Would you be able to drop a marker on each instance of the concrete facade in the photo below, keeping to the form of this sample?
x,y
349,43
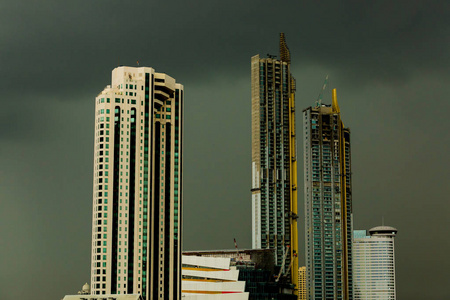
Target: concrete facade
x,y
137,201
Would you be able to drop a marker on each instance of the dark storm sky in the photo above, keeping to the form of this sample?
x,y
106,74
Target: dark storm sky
x,y
389,61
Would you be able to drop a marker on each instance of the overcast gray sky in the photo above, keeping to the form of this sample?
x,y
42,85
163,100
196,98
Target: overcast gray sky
x,y
388,60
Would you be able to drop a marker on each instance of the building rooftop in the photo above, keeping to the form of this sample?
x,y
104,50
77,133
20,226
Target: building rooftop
x,y
383,230
191,252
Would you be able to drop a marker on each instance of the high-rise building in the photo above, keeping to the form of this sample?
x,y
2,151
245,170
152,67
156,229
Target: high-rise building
x,y
274,160
137,201
374,263
328,203
302,283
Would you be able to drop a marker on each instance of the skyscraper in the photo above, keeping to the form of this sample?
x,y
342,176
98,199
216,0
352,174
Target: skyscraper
x,y
328,203
274,159
374,263
137,201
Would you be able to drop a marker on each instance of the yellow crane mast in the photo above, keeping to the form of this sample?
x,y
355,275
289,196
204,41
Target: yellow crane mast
x,y
286,57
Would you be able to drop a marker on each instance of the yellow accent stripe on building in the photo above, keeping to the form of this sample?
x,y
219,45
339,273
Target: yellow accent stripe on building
x,y
334,103
293,192
343,187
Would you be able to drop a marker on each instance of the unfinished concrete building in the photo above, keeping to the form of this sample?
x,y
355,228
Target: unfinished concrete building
x,y
274,160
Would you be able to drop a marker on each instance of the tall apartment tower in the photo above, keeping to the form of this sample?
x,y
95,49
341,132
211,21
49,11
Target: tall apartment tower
x,y
328,203
374,263
137,201
274,160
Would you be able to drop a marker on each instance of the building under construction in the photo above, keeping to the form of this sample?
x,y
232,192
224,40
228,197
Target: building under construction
x,y
328,203
274,160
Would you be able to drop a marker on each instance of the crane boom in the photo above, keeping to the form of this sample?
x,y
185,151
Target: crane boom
x,y
319,98
283,264
238,257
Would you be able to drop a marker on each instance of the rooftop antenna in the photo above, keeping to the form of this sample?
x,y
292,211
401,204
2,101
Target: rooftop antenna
x,y
319,98
382,220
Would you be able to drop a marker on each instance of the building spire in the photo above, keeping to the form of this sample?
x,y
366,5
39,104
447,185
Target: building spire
x,y
335,104
285,55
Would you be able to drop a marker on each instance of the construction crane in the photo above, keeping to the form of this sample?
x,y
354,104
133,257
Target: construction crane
x,y
289,268
319,98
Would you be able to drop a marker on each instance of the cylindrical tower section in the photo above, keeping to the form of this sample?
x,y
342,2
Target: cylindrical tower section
x,y
374,263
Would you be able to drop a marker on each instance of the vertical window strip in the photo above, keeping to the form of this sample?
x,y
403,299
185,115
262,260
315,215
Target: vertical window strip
x,y
115,201
131,202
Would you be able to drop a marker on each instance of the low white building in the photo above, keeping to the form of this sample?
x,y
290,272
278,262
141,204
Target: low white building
x,y
211,278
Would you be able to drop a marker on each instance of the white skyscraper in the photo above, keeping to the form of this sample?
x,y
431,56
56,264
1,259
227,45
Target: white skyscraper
x,y
137,201
374,263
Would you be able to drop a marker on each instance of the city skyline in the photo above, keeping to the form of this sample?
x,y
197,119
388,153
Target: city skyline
x,y
388,61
